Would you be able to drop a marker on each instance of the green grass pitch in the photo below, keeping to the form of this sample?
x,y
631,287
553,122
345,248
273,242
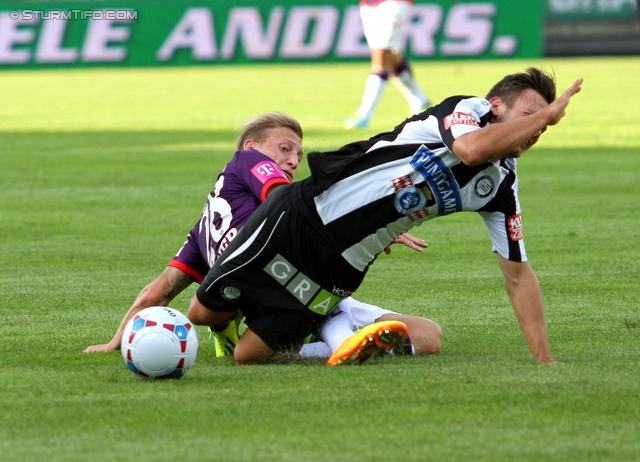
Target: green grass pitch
x,y
103,173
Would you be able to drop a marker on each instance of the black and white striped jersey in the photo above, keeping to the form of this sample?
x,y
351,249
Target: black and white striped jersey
x,y
368,192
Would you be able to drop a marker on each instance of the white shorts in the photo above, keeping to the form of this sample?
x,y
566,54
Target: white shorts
x,y
383,24
362,314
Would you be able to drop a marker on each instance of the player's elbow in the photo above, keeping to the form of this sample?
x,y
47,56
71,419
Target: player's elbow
x,y
472,161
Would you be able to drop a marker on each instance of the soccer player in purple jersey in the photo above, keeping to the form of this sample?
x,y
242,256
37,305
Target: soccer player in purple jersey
x,y
268,156
269,151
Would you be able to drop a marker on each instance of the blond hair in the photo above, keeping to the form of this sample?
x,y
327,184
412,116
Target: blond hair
x,y
256,129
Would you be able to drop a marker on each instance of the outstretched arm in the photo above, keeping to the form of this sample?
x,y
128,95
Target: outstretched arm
x,y
524,291
160,292
498,140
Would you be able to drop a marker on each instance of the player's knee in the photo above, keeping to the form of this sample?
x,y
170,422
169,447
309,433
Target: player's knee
x,y
199,314
242,358
252,350
193,316
246,357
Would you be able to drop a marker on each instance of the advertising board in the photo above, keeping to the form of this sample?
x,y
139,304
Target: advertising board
x,y
170,32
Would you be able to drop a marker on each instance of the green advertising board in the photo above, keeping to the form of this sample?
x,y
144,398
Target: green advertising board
x,y
175,32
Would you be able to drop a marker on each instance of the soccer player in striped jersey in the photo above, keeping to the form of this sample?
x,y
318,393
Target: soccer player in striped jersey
x,y
312,243
383,21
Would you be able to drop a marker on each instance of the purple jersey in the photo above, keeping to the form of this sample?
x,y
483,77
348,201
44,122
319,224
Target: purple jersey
x,y
241,187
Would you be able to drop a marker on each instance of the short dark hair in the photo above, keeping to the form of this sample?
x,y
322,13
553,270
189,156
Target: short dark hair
x,y
511,86
256,128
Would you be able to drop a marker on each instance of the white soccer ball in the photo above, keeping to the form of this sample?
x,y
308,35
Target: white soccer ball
x,y
159,343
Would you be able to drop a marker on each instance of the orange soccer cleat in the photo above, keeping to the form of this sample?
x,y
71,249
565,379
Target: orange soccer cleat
x,y
373,340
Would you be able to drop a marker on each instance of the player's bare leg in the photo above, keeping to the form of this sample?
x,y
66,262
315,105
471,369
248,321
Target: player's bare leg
x,y
386,60
200,315
252,350
425,335
394,64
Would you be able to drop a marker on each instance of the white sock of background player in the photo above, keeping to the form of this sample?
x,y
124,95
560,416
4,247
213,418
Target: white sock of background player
x,y
409,88
373,89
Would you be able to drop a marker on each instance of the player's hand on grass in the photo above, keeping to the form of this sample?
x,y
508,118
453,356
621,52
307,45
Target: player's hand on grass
x,y
558,107
410,241
101,348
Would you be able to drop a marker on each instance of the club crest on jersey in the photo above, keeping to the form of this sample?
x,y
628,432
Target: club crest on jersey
x,y
409,200
230,293
459,118
484,186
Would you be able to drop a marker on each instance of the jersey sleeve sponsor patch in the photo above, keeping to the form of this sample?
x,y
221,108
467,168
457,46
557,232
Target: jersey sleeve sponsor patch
x,y
514,225
266,170
459,118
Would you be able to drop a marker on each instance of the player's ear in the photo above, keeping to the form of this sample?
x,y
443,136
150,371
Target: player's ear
x,y
496,102
248,144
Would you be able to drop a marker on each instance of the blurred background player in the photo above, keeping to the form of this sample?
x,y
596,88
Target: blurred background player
x,y
269,151
383,21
